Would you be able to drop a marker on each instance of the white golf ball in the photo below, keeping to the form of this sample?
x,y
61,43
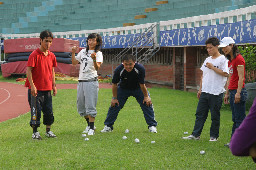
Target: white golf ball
x,y
153,141
137,140
185,133
86,139
83,135
202,152
127,131
124,137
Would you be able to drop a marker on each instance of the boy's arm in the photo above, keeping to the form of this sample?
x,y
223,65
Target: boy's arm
x,y
30,79
200,87
114,100
54,88
227,91
147,99
217,70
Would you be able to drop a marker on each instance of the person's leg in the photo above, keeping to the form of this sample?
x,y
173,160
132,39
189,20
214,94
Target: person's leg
x,y
35,106
122,96
81,99
238,112
201,114
48,113
215,102
231,102
91,97
35,114
148,111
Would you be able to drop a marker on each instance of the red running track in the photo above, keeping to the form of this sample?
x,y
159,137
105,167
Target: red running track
x,y
13,99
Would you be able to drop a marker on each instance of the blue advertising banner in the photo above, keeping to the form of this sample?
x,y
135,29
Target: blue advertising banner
x,y
241,32
119,41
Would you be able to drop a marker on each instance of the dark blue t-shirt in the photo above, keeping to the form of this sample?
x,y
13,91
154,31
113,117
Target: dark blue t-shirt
x,y
129,80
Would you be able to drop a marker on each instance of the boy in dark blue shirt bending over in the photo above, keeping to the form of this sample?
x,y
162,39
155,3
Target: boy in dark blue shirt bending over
x,y
128,80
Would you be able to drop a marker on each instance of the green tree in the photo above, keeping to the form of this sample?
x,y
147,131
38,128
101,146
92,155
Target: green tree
x,y
249,54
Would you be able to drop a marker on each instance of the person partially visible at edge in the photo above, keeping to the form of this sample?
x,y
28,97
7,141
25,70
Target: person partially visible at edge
x,y
40,82
128,80
210,94
90,60
236,94
243,141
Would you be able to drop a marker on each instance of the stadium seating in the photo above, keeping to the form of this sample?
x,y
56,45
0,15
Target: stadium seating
x,y
32,16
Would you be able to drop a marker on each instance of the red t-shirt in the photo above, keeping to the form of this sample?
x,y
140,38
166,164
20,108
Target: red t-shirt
x,y
232,65
42,69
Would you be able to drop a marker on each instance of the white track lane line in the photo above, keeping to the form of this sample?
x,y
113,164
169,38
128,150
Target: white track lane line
x,y
9,95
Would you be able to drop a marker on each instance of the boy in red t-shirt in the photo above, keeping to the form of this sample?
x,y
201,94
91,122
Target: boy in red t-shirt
x,y
40,81
236,92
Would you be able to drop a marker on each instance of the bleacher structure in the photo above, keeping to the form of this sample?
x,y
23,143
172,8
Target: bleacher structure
x,y
171,32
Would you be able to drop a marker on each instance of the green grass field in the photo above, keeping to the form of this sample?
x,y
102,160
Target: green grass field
x,y
175,113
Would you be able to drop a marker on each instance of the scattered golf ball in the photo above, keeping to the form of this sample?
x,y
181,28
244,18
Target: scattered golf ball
x,y
127,131
153,141
86,139
124,137
202,152
185,133
83,135
137,140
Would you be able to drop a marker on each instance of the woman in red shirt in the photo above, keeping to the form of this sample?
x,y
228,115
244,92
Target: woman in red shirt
x,y
236,93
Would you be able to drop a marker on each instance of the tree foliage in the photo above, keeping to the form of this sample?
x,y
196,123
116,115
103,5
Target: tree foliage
x,y
249,54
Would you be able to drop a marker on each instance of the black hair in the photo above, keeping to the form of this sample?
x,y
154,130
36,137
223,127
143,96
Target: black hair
x,y
45,34
212,40
128,57
98,39
235,51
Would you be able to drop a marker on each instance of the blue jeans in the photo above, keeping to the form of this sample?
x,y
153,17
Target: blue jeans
x,y
122,96
208,102
238,109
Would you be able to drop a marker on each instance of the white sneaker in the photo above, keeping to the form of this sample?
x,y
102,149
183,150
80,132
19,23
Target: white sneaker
x,y
91,132
212,139
106,129
87,129
36,136
50,134
192,137
152,129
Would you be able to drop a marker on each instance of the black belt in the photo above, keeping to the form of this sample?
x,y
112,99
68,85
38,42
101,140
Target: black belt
x,y
90,80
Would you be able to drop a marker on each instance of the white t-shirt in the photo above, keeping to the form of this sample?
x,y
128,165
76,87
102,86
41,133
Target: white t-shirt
x,y
212,82
87,70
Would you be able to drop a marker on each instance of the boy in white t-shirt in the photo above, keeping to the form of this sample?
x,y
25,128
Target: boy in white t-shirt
x,y
90,60
210,94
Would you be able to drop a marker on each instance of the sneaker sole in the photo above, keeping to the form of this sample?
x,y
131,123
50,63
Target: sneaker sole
x,y
105,131
189,138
